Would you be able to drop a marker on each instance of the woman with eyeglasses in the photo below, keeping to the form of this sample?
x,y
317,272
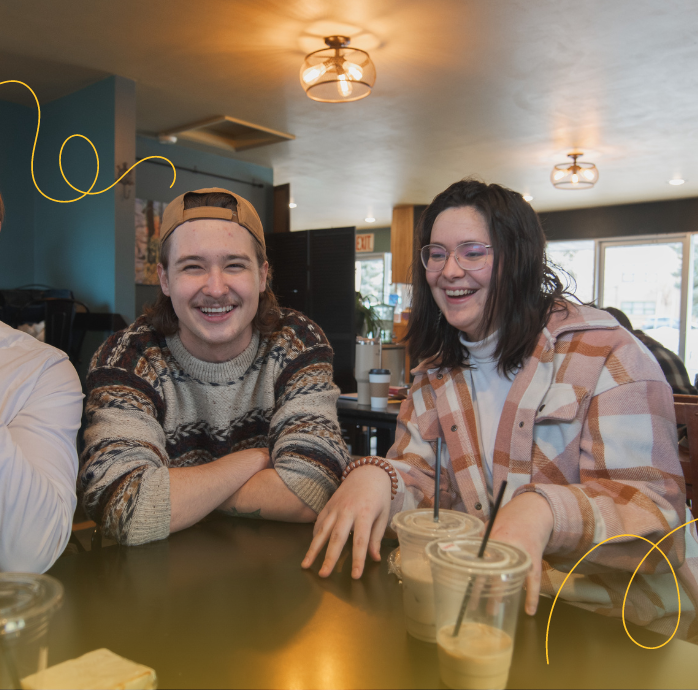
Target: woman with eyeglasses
x,y
526,386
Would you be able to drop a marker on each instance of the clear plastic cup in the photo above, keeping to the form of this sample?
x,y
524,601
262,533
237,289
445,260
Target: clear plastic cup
x,y
27,603
480,655
415,529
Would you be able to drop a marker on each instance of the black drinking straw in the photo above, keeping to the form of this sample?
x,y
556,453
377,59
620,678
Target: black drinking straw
x,y
437,480
480,554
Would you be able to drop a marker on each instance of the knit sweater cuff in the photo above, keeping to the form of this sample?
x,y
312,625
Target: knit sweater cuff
x,y
151,516
313,486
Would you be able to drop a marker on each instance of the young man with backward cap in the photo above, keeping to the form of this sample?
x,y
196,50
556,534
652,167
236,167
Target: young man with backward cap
x,y
215,398
40,410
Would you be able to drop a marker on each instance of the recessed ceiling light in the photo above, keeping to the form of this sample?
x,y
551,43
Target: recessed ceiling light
x,y
370,220
527,197
292,205
676,181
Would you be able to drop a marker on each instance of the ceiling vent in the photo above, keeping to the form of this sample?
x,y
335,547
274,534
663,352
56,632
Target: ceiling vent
x,y
228,133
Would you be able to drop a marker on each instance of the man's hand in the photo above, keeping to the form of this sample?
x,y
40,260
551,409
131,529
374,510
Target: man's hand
x,y
527,522
361,504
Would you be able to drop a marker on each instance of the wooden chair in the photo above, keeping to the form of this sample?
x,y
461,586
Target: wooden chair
x,y
686,408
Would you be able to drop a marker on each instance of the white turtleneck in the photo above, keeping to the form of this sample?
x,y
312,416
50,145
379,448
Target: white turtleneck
x,y
489,391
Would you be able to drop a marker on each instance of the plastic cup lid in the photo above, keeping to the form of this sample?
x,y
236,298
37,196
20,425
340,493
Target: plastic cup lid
x,y
499,558
25,598
452,523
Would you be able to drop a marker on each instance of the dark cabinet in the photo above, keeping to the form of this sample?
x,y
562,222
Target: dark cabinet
x,y
313,272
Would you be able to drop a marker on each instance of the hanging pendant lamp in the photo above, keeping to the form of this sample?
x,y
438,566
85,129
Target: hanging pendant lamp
x,y
338,74
575,176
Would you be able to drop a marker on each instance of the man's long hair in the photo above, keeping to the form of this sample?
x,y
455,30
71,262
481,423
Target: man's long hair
x,y
523,291
161,314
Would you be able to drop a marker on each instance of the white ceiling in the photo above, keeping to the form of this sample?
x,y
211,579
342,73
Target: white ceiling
x,y
500,89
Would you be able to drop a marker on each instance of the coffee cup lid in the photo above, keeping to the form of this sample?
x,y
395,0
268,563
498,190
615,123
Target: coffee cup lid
x,y
26,598
379,371
452,523
462,553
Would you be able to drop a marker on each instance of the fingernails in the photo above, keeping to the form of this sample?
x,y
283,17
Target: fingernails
x,y
531,610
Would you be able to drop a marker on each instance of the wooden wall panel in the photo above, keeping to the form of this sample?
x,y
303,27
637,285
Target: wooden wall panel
x,y
402,243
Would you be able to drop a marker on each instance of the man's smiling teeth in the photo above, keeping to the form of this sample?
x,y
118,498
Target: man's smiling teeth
x,y
459,293
216,310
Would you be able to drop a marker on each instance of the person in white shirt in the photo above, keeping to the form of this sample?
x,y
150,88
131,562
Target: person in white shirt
x,y
40,411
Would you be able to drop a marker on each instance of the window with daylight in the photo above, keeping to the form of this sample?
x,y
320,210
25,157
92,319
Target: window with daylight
x,y
653,279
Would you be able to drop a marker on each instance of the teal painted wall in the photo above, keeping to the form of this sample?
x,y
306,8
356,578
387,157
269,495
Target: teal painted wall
x,y
17,127
74,243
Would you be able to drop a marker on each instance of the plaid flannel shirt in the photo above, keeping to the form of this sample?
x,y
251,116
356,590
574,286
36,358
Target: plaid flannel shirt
x,y
589,424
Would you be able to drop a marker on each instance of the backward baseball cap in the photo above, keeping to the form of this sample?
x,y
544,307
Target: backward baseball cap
x,y
243,214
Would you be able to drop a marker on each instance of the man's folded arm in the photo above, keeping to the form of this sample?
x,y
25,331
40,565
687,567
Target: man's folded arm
x,y
308,453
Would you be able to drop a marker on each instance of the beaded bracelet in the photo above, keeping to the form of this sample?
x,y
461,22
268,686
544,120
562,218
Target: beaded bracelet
x,y
378,462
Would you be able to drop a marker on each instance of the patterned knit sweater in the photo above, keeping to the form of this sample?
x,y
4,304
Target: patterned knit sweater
x,y
151,405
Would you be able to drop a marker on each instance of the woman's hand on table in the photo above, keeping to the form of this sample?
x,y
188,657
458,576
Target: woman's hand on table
x,y
527,522
361,504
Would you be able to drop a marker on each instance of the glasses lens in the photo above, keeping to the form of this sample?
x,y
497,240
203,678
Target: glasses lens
x,y
433,257
471,254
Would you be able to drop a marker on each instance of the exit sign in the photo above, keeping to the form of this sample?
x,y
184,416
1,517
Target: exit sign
x,y
364,243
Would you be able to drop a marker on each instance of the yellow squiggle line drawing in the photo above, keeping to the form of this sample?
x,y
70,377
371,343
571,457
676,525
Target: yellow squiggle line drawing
x,y
60,158
627,589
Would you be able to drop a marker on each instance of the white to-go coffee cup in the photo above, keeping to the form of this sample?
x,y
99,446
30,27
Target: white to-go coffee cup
x,y
379,383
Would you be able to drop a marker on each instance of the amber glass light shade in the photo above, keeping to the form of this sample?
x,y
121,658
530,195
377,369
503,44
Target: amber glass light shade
x,y
337,74
577,175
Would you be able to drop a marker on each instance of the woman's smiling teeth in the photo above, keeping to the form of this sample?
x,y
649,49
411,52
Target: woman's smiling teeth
x,y
459,293
216,310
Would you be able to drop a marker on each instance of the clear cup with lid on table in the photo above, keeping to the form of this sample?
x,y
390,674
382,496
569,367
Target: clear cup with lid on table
x,y
27,604
479,656
415,529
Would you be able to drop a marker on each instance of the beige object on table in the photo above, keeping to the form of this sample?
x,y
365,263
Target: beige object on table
x,y
100,670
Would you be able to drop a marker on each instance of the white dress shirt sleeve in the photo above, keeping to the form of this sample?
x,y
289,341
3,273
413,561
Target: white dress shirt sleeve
x,y
38,470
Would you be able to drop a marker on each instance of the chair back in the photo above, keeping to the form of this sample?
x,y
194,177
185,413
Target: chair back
x,y
686,409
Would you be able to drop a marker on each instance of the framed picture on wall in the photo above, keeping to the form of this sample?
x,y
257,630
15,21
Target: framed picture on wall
x,y
148,217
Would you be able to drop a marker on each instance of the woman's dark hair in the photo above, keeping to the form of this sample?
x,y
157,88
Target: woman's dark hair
x,y
161,314
523,291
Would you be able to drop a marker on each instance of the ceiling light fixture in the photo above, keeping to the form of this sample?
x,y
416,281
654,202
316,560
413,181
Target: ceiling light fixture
x,y
527,197
370,219
337,74
676,181
575,176
292,205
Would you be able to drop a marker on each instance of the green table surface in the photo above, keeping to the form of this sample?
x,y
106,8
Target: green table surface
x,y
226,604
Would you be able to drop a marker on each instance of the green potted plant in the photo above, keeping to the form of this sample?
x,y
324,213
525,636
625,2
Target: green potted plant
x,y
368,323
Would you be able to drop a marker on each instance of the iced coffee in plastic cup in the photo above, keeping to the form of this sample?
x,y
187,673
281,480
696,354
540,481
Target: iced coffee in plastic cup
x,y
27,603
415,529
480,655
